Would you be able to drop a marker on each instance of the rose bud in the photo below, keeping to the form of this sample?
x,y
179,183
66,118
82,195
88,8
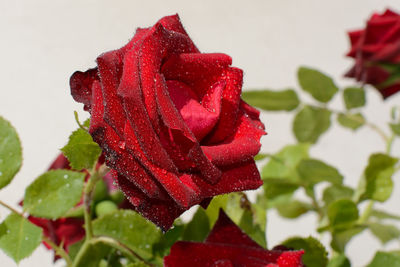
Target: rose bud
x,y
376,50
170,121
227,245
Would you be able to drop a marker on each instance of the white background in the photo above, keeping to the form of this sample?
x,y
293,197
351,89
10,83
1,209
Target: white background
x,y
44,42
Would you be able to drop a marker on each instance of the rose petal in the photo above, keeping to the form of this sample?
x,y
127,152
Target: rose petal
x,y
81,86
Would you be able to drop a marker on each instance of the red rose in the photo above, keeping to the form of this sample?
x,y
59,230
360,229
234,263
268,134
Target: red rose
x,y
376,50
228,246
170,121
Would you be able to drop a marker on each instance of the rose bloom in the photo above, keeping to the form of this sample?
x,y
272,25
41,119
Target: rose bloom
x,y
170,121
376,50
228,246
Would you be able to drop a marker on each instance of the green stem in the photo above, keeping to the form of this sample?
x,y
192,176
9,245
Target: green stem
x,y
58,250
11,208
389,144
130,254
367,212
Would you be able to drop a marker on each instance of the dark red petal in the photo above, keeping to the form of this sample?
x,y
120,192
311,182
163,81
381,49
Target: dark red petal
x,y
243,145
198,71
225,231
173,120
110,71
390,90
234,178
162,213
131,92
173,23
200,118
81,86
177,190
229,105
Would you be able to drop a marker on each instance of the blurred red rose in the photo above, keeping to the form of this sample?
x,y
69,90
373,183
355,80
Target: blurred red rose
x,y
228,246
376,50
170,121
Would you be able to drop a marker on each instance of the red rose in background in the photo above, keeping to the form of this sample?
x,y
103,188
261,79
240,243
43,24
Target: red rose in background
x,y
170,121
376,50
228,246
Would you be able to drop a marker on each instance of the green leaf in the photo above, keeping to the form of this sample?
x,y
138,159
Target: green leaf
x,y
314,255
253,230
54,193
319,85
378,181
342,212
283,164
272,100
385,259
384,232
129,228
18,237
81,151
310,123
380,214
274,188
339,261
335,192
10,153
340,237
314,171
395,128
293,208
354,97
260,156
212,210
137,264
198,228
351,121
162,248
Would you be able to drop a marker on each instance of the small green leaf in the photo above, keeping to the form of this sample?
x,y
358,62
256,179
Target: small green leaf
x,y
395,128
283,164
252,229
378,181
339,261
351,121
293,209
10,153
260,156
215,205
382,215
354,97
18,237
340,237
314,171
384,232
130,229
198,228
54,193
81,151
162,248
342,212
310,123
385,259
335,192
314,255
319,85
272,100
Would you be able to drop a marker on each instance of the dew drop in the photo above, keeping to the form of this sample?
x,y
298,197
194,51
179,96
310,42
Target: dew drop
x,y
39,200
1,173
26,238
67,185
65,176
1,160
